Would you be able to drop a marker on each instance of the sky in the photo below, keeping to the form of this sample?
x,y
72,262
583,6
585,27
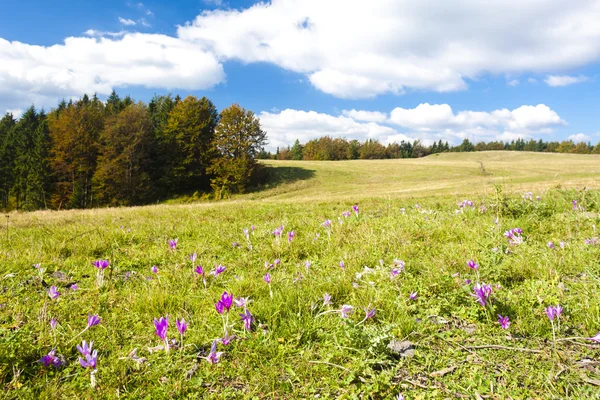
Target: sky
x,y
389,70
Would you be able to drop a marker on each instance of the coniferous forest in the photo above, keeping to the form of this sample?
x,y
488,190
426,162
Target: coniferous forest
x,y
91,153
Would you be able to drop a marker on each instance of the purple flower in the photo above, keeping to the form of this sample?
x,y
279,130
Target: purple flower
x,y
277,261
173,243
101,264
242,302
278,231
53,292
399,396
218,270
326,224
482,292
235,245
93,320
199,270
342,265
346,214
246,233
161,325
227,300
574,202
267,278
562,245
307,264
291,235
181,326
550,245
193,257
514,236
355,209
466,203
503,321
595,338
53,323
326,299
51,359
214,356
467,281
74,287
219,307
482,209
370,312
553,312
346,311
413,296
400,264
471,264
247,319
154,269
227,339
252,228
90,357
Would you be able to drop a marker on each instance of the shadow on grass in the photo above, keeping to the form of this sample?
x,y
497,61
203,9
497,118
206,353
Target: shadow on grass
x,y
270,177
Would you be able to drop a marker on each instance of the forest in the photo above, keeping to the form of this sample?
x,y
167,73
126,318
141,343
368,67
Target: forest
x,y
119,152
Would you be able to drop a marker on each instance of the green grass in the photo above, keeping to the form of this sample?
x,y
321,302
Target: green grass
x,y
296,351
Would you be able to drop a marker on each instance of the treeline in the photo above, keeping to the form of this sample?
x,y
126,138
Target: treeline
x,y
327,148
91,153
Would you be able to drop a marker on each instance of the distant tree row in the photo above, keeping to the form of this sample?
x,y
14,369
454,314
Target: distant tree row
x,y
91,153
327,148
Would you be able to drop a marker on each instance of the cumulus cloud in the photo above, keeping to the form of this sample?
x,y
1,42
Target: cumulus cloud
x,y
368,116
579,137
564,80
352,50
513,82
43,74
426,122
127,22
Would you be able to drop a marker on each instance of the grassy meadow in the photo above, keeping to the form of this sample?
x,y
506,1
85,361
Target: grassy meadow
x,y
402,316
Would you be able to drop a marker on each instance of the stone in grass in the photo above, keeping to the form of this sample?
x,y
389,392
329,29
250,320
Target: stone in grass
x,y
402,348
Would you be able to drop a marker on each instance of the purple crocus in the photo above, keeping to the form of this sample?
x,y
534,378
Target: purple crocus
x,y
346,214
53,292
342,265
346,311
242,302
370,312
154,269
74,287
482,292
574,202
90,357
93,320
219,307
326,224
267,278
101,264
53,323
550,245
471,264
413,296
595,338
278,231
355,209
193,258
246,233
214,356
291,235
218,270
173,243
227,300
199,270
51,359
161,325
247,319
326,299
225,340
553,312
277,261
514,236
181,326
503,321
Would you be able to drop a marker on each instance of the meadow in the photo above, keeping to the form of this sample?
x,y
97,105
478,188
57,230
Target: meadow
x,y
356,279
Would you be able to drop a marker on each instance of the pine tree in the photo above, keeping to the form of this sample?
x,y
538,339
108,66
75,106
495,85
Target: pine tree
x,y
296,151
7,158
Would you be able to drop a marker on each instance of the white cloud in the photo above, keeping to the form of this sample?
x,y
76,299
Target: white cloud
x,y
532,80
127,22
214,3
579,137
16,112
513,82
368,116
144,22
426,122
284,127
41,75
564,80
95,33
350,49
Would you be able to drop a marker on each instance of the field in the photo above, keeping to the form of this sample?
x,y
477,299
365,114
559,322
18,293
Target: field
x,y
400,261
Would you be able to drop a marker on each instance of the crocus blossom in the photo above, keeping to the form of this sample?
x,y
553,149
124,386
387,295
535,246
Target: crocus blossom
x,y
90,357
355,209
595,338
413,296
291,235
503,321
550,245
51,359
482,292
346,214
326,224
514,236
161,325
93,320
53,292
193,258
227,300
242,302
326,299
154,269
247,319
346,311
101,264
219,269
471,264
181,325
342,265
173,243
267,278
553,312
53,323
199,270
214,356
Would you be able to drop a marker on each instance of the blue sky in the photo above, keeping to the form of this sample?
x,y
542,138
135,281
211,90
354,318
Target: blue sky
x,y
423,70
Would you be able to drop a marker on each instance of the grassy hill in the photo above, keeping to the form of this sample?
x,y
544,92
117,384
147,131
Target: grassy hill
x,y
372,339
436,175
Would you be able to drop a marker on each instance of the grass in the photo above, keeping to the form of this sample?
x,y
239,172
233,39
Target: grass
x,y
296,348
